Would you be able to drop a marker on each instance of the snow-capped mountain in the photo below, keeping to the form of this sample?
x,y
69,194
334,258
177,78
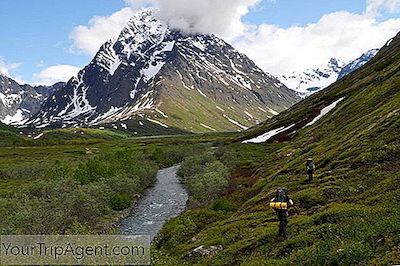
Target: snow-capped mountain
x,y
313,80
18,102
358,63
195,82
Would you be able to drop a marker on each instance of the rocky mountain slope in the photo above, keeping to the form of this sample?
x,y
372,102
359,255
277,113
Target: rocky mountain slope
x,y
18,102
198,83
348,215
313,80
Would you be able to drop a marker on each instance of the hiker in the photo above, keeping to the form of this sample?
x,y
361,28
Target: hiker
x,y
310,169
281,203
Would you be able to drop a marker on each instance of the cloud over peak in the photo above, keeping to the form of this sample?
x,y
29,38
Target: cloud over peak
x,y
275,49
207,16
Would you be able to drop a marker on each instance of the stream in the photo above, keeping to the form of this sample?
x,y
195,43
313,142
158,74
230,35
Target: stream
x,y
165,200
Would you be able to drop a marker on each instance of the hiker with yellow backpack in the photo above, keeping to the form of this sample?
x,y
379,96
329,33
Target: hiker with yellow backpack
x,y
281,204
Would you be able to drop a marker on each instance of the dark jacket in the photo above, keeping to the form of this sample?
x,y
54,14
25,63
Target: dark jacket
x,y
310,166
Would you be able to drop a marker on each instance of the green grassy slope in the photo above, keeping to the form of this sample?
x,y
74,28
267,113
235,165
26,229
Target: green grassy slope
x,y
350,214
4,127
197,113
9,136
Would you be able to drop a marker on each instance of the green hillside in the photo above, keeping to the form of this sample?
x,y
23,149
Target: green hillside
x,y
349,215
9,136
4,127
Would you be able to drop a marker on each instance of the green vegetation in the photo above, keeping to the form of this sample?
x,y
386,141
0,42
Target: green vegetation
x,y
119,202
190,110
205,178
349,215
9,136
78,196
62,183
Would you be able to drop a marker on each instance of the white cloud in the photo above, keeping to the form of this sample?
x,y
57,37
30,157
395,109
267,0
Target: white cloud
x,y
374,7
54,74
5,68
206,16
89,38
277,50
342,35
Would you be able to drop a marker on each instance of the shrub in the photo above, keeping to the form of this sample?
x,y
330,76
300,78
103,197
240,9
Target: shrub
x,y
195,164
119,202
223,204
79,196
208,185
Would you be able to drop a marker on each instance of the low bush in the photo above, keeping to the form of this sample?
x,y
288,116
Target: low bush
x,y
119,202
223,204
205,178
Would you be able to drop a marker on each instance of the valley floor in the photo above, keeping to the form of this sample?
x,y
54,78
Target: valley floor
x,y
88,183
348,216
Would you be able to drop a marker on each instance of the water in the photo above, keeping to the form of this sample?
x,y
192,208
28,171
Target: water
x,y
167,199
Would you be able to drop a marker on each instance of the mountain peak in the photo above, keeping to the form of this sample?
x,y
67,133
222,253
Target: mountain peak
x,y
159,73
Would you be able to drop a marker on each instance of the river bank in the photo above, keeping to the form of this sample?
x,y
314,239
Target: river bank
x,y
165,200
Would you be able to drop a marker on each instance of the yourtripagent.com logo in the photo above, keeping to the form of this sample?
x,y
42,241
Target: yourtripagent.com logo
x,y
75,250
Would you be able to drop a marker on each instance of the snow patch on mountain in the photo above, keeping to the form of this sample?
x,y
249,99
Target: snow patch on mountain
x,y
11,99
79,103
235,122
18,117
268,135
324,112
207,127
157,122
38,136
161,113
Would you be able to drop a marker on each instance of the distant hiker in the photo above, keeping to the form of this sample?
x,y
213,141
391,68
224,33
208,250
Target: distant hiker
x,y
281,203
310,169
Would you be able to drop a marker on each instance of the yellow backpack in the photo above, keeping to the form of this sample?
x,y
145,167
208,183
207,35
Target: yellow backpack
x,y
279,205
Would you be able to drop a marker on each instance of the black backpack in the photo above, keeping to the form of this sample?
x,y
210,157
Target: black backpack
x,y
281,195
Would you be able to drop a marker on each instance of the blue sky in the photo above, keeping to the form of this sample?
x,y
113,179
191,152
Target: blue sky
x,y
287,13
36,33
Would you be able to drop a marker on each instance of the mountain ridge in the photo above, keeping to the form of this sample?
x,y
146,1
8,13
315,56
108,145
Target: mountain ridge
x,y
18,103
313,80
